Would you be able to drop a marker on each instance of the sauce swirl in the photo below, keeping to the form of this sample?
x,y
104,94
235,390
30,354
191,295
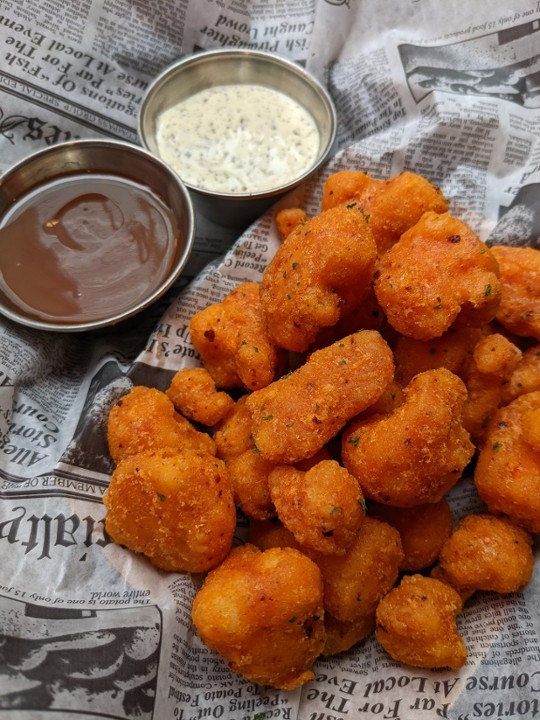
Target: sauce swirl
x,y
85,247
238,138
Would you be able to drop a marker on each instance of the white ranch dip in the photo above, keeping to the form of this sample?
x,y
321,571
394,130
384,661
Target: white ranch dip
x,y
238,138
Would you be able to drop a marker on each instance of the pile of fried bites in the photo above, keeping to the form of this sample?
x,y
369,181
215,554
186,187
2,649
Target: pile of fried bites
x,y
386,349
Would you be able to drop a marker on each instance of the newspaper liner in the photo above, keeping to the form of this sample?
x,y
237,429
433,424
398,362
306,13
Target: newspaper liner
x,y
441,91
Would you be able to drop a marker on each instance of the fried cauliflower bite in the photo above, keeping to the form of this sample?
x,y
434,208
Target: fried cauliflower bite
x,y
323,507
262,611
297,415
416,624
248,473
488,553
145,419
417,453
343,186
395,205
507,474
321,272
193,393
451,350
519,309
489,369
232,341
526,376
437,274
288,219
174,507
232,435
423,530
355,582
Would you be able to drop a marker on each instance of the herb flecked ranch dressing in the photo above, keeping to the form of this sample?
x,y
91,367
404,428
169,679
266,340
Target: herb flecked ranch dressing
x,y
238,138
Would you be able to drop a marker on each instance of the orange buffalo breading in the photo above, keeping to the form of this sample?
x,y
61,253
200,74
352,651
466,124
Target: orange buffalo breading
x,y
355,582
451,350
320,273
416,624
519,310
248,473
288,219
395,205
175,507
323,507
489,369
232,435
345,185
507,474
263,612
526,376
145,419
438,273
295,417
194,394
487,553
231,339
423,530
417,453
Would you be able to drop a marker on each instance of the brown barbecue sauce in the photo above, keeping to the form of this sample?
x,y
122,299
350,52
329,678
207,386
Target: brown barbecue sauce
x,y
85,247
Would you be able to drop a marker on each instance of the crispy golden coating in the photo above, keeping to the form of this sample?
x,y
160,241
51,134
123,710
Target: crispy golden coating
x,y
417,453
288,219
451,350
438,273
145,419
248,473
232,435
519,310
489,369
416,624
295,417
397,204
423,530
175,507
262,611
487,553
341,636
193,393
507,474
266,534
231,339
390,400
321,272
355,582
323,507
526,376
345,185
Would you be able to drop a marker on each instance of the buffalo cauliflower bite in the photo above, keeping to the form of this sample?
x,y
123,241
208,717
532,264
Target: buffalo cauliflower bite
x,y
488,553
507,474
263,612
437,274
417,453
519,309
174,507
493,360
321,272
343,186
248,473
526,376
395,205
231,339
296,416
416,624
232,435
288,219
323,507
423,530
194,394
145,419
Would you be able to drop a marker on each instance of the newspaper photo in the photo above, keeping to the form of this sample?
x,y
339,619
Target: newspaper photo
x,y
89,629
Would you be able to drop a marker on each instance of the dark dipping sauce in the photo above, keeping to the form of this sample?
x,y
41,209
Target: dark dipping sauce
x,y
85,247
